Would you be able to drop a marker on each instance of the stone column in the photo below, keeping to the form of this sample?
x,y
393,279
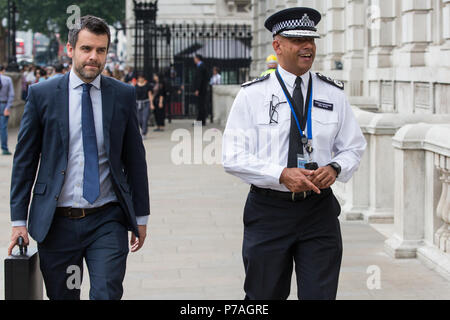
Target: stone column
x,y
442,235
319,5
409,192
381,25
356,193
446,24
383,188
416,32
335,27
256,41
353,58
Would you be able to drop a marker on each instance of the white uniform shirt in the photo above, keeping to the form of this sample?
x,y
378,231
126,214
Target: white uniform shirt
x,y
256,150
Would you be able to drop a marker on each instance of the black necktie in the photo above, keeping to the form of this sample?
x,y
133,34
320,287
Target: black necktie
x,y
295,146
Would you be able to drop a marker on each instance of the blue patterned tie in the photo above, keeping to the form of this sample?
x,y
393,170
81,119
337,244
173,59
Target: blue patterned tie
x,y
91,181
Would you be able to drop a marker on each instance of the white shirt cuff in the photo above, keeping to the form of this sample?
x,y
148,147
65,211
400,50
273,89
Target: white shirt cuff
x,y
19,223
142,220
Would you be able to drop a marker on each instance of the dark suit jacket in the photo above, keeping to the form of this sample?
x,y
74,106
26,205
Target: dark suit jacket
x,y
44,140
201,79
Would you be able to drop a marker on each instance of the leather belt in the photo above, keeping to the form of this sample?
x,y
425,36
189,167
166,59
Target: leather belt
x,y
289,196
78,213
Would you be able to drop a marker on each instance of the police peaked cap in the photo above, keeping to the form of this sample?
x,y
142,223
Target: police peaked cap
x,y
296,22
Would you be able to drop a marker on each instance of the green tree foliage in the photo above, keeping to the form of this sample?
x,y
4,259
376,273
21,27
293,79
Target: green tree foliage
x,y
50,16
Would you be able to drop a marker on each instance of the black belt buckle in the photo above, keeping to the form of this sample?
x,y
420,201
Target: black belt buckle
x,y
83,213
302,195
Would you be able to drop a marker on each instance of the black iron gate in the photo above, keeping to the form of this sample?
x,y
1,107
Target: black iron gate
x,y
168,50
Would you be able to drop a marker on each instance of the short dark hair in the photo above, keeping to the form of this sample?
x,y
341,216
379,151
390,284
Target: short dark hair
x,y
95,25
2,67
58,68
199,56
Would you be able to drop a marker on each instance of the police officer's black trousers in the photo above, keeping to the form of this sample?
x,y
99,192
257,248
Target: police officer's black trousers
x,y
278,233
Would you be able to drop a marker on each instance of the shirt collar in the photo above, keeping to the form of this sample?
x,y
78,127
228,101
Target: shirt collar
x,y
289,78
75,81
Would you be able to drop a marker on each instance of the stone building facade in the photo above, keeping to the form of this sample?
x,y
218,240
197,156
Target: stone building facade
x,y
397,52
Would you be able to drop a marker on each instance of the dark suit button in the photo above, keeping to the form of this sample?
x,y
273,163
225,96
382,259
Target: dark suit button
x,y
56,198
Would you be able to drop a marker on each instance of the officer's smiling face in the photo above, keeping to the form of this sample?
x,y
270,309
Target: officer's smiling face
x,y
295,55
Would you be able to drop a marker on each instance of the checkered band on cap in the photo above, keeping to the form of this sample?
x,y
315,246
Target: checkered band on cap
x,y
304,23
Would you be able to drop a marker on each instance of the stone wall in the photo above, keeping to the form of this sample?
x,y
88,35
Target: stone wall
x,y
395,51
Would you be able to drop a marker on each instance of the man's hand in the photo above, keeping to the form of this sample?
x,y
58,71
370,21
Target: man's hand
x,y
323,177
6,113
137,243
16,233
297,180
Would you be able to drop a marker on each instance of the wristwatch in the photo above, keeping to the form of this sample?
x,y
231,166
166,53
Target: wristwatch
x,y
336,168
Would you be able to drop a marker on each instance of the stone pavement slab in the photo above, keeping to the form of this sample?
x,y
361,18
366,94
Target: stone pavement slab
x,y
193,248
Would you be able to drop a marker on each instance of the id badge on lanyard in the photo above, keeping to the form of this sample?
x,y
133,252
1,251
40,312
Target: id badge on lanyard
x,y
304,159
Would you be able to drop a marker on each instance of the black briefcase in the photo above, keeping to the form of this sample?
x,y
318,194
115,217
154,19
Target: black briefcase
x,y
23,278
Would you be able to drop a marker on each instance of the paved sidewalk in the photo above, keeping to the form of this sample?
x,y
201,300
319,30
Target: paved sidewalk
x,y
193,249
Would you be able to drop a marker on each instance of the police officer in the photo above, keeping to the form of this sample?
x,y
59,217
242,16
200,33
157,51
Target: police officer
x,y
290,135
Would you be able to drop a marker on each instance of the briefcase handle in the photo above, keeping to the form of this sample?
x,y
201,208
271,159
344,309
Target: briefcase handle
x,y
22,247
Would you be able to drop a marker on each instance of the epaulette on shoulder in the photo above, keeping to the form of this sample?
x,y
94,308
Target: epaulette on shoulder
x,y
336,83
249,83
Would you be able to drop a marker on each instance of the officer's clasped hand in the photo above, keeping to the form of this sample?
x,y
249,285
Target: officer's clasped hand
x,y
298,180
323,177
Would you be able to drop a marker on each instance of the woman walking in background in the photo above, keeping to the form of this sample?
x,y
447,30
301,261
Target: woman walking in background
x,y
157,102
143,98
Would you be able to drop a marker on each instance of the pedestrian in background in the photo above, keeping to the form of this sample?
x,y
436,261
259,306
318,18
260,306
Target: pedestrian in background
x,y
200,87
158,97
6,100
143,97
216,77
59,69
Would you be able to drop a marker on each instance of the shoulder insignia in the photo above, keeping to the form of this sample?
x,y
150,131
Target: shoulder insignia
x,y
248,83
336,83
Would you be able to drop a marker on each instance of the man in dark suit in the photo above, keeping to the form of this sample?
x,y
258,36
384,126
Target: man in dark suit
x,y
200,87
91,186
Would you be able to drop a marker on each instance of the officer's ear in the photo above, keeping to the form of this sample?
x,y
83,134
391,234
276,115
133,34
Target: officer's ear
x,y
276,43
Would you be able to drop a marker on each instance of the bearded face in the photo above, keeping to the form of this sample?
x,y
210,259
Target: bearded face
x,y
89,54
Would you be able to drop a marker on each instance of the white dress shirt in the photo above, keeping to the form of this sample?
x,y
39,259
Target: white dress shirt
x,y
72,190
256,150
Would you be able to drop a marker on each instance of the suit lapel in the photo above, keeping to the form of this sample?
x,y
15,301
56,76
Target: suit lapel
x,y
107,110
62,110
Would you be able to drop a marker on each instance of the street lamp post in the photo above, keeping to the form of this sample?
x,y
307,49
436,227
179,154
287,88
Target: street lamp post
x,y
12,60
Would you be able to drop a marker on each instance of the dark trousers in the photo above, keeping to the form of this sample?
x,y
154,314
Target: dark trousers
x,y
160,116
143,115
101,238
278,233
201,108
3,127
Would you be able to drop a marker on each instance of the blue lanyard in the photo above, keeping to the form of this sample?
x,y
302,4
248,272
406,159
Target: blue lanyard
x,y
289,99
